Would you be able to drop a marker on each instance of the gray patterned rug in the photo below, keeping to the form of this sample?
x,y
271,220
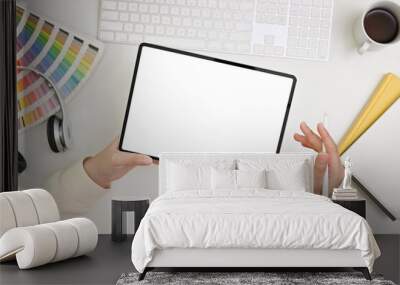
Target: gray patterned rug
x,y
243,278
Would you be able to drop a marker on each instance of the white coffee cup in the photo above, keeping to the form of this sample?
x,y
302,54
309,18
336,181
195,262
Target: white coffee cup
x,y
365,42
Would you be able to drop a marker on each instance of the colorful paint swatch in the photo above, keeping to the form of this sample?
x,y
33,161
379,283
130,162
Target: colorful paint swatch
x,y
37,46
19,14
68,60
63,56
30,98
37,114
27,79
81,71
53,52
27,31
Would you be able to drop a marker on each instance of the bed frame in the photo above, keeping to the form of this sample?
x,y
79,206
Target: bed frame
x,y
239,260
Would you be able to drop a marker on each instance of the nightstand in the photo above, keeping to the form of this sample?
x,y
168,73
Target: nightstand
x,y
121,205
358,206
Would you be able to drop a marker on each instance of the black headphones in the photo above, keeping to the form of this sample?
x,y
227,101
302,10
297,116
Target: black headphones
x,y
21,163
58,134
58,129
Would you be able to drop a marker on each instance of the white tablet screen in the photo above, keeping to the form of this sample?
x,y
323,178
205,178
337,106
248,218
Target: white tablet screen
x,y
182,102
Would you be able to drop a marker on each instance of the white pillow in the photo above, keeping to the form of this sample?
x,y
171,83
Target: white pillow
x,y
188,177
218,163
282,173
236,179
251,178
292,178
223,179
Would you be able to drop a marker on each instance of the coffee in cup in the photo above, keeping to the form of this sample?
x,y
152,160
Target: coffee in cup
x,y
378,26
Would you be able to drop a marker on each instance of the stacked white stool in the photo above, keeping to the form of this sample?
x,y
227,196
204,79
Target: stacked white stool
x,y
31,231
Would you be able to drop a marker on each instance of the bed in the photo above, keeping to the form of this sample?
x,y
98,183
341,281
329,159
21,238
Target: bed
x,y
247,211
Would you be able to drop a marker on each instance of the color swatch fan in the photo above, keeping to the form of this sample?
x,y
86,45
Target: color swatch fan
x,y
65,57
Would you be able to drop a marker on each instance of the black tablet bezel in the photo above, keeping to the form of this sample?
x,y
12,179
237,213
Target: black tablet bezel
x,y
149,45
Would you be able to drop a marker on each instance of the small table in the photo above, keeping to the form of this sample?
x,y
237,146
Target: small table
x,y
358,206
126,204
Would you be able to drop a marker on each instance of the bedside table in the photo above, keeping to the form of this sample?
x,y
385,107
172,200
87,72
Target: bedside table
x,y
358,206
119,206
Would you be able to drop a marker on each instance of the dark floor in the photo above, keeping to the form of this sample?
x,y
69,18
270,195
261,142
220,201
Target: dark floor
x,y
102,266
389,262
110,260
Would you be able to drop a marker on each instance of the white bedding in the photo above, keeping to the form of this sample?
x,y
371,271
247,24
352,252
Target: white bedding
x,y
250,218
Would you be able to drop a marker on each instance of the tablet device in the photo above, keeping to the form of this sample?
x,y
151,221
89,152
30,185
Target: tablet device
x,y
185,102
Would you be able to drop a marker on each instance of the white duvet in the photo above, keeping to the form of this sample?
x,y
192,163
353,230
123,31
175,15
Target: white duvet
x,y
250,218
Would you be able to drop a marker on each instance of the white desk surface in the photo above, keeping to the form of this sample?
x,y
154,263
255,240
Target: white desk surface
x,y
339,87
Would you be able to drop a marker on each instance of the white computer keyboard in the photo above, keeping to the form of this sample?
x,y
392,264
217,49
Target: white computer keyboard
x,y
283,28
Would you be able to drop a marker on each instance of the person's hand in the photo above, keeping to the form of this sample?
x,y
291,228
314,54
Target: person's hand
x,y
111,164
329,159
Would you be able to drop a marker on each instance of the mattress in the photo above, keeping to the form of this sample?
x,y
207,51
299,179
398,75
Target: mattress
x,y
250,219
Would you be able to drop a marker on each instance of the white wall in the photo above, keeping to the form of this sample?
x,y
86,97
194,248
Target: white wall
x,y
339,87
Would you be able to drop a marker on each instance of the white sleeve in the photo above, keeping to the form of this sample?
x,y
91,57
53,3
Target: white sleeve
x,y
73,189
